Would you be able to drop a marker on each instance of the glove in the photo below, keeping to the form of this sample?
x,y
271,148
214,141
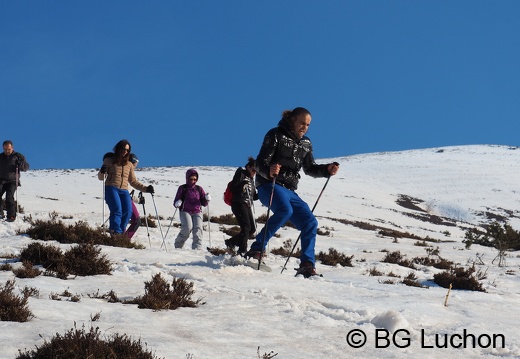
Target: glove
x,y
208,197
19,159
103,169
150,189
178,203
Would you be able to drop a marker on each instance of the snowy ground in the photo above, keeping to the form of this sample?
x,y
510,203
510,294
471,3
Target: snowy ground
x,y
292,316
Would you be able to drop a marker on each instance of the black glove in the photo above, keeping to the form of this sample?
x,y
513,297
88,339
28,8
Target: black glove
x,y
150,189
103,169
19,159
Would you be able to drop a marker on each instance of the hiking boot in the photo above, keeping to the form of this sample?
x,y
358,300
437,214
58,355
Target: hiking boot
x,y
229,244
306,269
10,219
253,254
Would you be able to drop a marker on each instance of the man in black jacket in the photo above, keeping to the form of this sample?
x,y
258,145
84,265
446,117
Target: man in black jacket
x,y
11,163
285,151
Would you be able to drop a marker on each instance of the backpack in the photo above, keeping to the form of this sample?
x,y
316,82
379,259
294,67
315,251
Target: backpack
x,y
228,195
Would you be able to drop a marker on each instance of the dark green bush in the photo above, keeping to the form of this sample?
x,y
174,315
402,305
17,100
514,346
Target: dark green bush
x,y
501,237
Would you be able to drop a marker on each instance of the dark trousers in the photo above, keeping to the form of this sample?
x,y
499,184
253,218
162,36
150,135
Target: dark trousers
x,y
246,221
9,188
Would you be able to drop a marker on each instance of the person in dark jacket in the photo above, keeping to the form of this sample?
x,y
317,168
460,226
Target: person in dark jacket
x,y
285,150
11,163
190,199
244,193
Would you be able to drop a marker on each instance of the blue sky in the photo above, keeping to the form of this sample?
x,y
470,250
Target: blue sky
x,y
193,83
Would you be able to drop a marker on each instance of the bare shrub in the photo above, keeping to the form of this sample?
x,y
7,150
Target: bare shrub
x,y
27,271
80,232
78,343
334,258
397,258
262,219
83,260
6,267
375,272
459,278
439,263
160,295
411,280
218,251
286,249
231,231
228,219
30,292
110,296
48,256
13,308
269,355
323,232
149,221
86,259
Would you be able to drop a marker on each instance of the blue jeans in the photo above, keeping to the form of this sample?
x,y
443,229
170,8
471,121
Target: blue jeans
x,y
287,205
120,205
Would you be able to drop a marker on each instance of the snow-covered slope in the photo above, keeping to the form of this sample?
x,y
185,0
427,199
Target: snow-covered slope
x,y
436,193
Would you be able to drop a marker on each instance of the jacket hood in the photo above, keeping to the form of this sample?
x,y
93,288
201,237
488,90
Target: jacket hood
x,y
191,172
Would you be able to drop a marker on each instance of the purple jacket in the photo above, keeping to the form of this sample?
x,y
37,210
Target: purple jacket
x,y
193,196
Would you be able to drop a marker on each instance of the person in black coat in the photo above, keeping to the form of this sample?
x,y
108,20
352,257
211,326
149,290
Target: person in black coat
x,y
11,163
244,193
285,151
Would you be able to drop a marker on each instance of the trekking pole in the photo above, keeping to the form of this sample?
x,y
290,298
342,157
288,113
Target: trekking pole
x,y
103,203
209,228
317,200
141,200
254,216
159,222
171,222
266,222
16,189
